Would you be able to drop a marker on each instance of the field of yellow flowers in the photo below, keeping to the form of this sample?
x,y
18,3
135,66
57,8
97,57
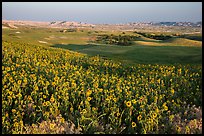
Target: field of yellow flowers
x,y
44,88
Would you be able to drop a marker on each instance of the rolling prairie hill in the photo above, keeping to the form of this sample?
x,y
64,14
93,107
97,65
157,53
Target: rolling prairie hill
x,y
183,42
65,82
144,50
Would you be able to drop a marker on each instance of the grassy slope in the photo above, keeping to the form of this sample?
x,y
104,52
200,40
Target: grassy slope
x,y
51,36
183,41
138,53
142,54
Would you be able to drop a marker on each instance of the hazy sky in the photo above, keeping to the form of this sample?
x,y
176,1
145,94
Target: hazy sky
x,y
103,12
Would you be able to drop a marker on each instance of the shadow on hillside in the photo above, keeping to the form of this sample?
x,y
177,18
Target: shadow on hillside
x,y
147,39
73,47
141,54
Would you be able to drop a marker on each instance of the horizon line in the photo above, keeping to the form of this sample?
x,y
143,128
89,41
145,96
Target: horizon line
x,y
97,23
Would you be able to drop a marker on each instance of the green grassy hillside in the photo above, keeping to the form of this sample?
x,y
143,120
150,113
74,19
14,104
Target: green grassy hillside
x,y
182,42
141,54
144,50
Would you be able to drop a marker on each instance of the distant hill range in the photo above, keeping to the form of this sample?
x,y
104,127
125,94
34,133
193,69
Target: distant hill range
x,y
65,24
183,27
55,24
197,24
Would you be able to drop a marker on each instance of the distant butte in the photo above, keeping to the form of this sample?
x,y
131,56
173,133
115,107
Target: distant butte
x,y
53,24
185,27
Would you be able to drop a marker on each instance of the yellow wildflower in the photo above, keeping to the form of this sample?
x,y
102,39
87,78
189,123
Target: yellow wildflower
x,y
134,101
84,111
94,109
13,110
62,120
172,91
157,110
52,99
114,99
134,124
128,104
53,83
88,92
52,126
19,82
178,129
171,117
187,130
89,98
44,103
154,115
71,109
36,88
16,124
165,107
139,117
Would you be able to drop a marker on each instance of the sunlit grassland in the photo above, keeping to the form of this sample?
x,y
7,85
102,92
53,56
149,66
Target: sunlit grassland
x,y
144,50
72,85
